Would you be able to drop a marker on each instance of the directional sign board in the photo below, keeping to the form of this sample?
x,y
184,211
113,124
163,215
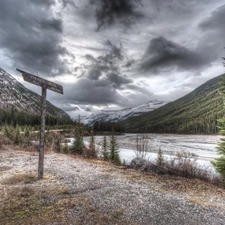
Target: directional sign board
x,y
41,82
45,84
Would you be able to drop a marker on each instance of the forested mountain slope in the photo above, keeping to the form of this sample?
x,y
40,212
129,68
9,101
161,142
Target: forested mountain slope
x,y
195,113
18,101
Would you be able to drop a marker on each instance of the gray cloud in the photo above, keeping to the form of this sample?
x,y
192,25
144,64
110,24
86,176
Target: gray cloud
x,y
30,36
211,44
65,3
106,65
111,12
67,107
88,91
216,21
102,79
118,80
164,53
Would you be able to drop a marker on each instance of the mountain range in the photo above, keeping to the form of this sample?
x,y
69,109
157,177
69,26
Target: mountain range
x,y
14,95
123,114
195,113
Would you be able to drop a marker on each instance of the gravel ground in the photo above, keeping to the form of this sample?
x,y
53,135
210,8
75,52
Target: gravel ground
x,y
99,193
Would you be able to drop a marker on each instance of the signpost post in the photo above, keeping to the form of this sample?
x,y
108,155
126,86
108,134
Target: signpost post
x,y
45,84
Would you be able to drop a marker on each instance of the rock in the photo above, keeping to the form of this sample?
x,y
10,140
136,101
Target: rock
x,y
147,166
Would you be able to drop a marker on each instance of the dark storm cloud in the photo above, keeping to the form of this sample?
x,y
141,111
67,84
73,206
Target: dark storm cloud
x,y
216,21
101,79
88,91
118,80
44,3
129,63
106,65
65,3
90,57
164,53
95,72
30,36
110,12
212,42
116,51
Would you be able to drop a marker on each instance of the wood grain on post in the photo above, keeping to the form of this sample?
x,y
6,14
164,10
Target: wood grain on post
x,y
42,135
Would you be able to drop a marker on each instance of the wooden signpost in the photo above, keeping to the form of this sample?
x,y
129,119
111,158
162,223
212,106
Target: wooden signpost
x,y
45,84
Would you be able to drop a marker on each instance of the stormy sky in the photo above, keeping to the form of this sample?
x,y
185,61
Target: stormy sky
x,y
112,54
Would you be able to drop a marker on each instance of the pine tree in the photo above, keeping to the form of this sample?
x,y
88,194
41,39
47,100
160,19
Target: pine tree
x,y
219,163
105,149
78,147
27,134
17,139
6,131
114,153
65,147
160,159
91,152
58,145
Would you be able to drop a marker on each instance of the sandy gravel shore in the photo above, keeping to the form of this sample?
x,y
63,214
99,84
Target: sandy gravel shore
x,y
77,191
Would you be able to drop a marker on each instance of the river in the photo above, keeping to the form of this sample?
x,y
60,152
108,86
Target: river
x,y
203,146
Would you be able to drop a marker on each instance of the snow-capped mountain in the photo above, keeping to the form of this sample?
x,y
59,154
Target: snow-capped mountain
x,y
120,115
14,94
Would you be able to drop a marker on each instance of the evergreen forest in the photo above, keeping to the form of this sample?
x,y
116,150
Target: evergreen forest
x,y
195,113
14,117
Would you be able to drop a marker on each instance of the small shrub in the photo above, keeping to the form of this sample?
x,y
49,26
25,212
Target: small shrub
x,y
142,146
65,147
78,145
58,145
17,138
114,151
160,159
105,149
91,152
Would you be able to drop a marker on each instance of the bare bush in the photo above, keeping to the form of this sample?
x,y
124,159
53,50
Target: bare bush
x,y
91,152
183,164
142,146
217,180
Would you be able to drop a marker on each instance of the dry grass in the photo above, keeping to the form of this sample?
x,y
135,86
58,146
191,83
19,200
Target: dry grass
x,y
204,202
20,179
26,200
174,184
4,168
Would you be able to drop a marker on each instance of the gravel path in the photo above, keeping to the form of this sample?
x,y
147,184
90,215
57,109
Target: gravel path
x,y
111,193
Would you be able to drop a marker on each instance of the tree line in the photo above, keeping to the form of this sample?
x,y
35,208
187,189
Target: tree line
x,y
14,117
101,126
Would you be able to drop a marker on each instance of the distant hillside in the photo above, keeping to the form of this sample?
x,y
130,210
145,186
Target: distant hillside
x,y
195,113
14,97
